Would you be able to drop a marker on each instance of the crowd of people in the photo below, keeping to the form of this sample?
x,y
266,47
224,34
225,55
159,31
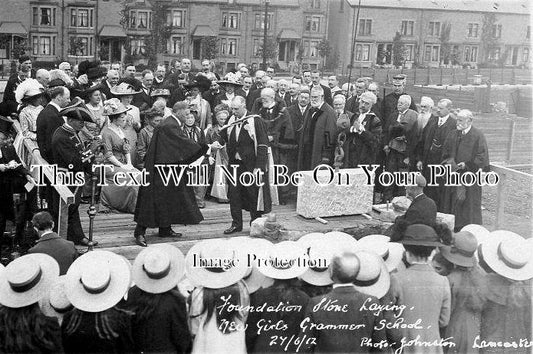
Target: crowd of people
x,y
422,290
300,123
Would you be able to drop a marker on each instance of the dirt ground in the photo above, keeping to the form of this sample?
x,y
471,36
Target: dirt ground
x,y
518,208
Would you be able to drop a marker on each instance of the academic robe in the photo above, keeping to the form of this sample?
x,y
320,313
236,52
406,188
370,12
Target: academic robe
x,y
389,109
470,148
429,150
159,205
362,148
318,138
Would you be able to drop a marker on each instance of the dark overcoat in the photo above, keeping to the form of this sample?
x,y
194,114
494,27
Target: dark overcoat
x,y
48,121
362,148
159,205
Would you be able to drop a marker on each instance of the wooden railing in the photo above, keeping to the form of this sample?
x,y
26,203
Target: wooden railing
x,y
505,173
30,152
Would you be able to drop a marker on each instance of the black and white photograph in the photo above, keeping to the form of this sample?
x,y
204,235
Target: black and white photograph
x,y
266,176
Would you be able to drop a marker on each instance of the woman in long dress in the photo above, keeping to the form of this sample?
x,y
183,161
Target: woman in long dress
x,y
117,153
218,156
125,92
30,95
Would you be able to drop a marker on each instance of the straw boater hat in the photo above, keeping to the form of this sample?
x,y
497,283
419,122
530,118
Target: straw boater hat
x,y
27,279
254,248
390,252
160,92
226,264
508,255
97,281
285,260
478,231
124,89
28,89
113,107
158,268
322,247
373,277
462,251
55,303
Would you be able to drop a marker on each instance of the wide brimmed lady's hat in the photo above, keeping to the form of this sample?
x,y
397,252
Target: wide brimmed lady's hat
x,y
508,255
390,252
97,281
462,252
55,303
201,82
113,107
27,279
160,92
215,264
158,268
28,89
124,89
285,260
255,249
321,248
373,277
230,79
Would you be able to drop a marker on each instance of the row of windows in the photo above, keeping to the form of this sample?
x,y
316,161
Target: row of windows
x,y
79,17
432,53
45,45
434,29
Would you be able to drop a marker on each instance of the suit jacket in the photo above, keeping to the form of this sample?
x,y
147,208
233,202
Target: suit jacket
x,y
297,119
9,93
407,127
427,296
352,104
343,340
67,150
422,210
318,138
253,95
258,104
143,100
48,121
61,250
389,109
430,145
106,90
362,148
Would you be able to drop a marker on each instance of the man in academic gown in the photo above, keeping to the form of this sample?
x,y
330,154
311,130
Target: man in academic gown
x,y
363,135
430,147
465,150
159,205
247,146
319,133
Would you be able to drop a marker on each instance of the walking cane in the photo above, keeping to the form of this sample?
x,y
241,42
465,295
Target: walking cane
x,y
92,212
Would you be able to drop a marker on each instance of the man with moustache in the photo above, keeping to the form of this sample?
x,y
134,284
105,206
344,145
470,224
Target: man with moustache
x,y
294,91
211,95
430,146
160,205
315,82
159,76
319,133
247,147
363,135
110,82
352,104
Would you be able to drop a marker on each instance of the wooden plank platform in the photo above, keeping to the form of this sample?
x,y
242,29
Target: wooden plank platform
x,y
114,231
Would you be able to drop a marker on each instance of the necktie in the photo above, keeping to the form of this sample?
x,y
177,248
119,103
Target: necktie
x,y
400,117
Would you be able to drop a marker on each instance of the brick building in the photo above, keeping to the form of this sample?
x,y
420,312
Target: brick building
x,y
297,26
111,29
422,23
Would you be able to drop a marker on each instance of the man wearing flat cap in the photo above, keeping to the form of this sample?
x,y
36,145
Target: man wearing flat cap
x,y
70,155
